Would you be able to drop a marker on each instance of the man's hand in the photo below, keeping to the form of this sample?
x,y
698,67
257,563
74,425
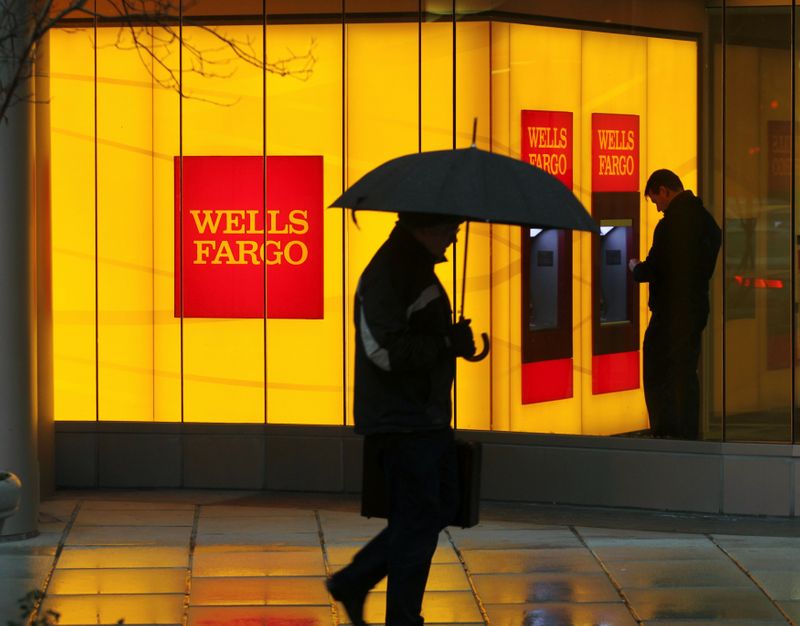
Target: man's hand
x,y
461,340
633,263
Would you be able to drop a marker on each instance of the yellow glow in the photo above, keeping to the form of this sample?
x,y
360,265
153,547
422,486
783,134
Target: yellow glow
x,y
613,73
225,361
224,358
305,357
382,87
553,55
473,380
124,233
167,328
72,188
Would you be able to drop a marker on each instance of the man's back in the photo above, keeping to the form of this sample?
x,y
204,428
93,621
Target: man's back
x,y
403,368
682,260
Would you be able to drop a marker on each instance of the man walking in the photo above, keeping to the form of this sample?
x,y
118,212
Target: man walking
x,y
678,267
406,346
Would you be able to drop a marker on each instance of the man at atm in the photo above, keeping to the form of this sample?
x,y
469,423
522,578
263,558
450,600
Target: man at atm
x,y
678,267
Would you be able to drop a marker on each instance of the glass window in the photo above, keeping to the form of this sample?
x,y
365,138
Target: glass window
x,y
758,235
197,281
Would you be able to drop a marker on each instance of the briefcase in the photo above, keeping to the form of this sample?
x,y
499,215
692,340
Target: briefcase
x,y
374,500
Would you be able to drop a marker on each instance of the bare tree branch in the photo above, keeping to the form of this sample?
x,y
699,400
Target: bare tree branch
x,y
150,27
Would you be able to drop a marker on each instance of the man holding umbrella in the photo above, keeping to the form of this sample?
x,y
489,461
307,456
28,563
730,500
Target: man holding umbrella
x,y
406,346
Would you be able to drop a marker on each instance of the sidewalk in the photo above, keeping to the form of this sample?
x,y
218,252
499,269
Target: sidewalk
x,y
259,559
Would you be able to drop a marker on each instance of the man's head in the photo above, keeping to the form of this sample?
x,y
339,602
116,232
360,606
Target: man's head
x,y
434,231
662,187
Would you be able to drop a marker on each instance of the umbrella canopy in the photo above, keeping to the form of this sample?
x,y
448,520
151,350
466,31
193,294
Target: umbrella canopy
x,y
471,183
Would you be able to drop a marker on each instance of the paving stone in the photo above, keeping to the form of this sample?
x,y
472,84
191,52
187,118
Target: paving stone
x,y
701,604
588,532
95,517
43,543
110,504
286,524
35,566
712,622
473,539
339,556
750,541
779,584
307,562
682,573
265,564
443,577
791,608
649,543
227,511
109,609
117,581
559,614
763,558
544,587
530,560
260,615
59,509
262,539
640,552
438,607
259,590
85,557
129,535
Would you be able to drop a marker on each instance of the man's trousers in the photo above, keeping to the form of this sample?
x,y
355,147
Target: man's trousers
x,y
421,482
671,386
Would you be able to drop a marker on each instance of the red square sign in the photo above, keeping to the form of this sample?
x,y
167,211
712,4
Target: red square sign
x,y
615,152
227,247
546,142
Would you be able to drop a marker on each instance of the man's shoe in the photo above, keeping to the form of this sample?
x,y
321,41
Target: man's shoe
x,y
353,603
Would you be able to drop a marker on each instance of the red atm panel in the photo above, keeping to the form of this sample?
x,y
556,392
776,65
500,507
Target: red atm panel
x,y
615,295
547,269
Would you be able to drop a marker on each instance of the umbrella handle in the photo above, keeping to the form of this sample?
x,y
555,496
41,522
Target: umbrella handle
x,y
483,353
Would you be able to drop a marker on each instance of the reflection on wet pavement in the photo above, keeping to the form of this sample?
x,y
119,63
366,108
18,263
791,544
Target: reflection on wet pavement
x,y
147,560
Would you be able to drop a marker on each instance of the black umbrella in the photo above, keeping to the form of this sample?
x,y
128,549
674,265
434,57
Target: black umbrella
x,y
473,184
470,183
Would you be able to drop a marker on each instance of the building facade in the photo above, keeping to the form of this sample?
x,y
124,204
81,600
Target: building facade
x,y
194,295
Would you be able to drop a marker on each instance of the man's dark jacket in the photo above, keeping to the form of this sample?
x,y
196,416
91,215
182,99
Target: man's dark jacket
x,y
403,366
680,263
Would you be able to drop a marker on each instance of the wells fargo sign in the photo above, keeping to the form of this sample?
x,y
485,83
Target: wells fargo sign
x,y
779,158
615,152
547,142
228,247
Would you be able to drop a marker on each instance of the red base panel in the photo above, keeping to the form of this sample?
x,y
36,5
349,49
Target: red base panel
x,y
546,380
615,372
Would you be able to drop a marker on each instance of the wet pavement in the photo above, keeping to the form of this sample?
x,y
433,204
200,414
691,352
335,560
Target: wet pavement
x,y
203,558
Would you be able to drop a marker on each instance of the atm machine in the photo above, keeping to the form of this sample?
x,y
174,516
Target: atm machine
x,y
546,315
615,295
547,328
616,202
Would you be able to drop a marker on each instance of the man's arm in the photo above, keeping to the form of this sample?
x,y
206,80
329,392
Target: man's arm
x,y
386,335
652,267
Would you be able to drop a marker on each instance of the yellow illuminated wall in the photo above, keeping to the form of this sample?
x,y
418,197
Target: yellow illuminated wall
x,y
583,72
304,357
73,224
365,102
381,123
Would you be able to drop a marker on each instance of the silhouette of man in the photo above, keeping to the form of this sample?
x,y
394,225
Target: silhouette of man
x,y
678,267
406,345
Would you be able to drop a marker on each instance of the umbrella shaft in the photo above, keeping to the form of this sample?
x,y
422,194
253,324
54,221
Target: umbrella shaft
x,y
464,273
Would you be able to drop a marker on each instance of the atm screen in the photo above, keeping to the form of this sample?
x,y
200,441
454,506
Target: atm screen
x,y
615,236
543,277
